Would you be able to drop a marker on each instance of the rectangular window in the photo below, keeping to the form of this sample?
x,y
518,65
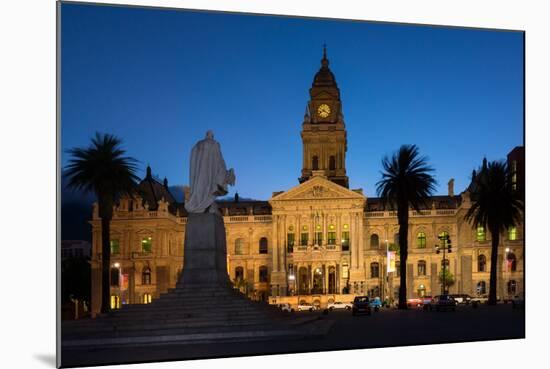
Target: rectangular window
x,y
480,234
115,247
421,269
345,241
304,239
512,233
146,244
318,238
263,275
331,239
345,271
374,270
290,242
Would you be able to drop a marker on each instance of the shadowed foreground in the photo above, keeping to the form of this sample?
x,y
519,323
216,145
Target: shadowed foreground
x,y
383,329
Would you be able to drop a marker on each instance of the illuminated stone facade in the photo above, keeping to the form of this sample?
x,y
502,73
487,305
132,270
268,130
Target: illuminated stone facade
x,y
317,242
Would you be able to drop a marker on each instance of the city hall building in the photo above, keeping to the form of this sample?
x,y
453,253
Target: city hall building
x,y
317,242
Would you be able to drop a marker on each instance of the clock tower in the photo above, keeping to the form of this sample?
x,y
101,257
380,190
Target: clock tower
x,y
323,133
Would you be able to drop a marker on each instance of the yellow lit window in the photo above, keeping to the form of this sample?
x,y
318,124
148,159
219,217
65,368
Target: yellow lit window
x,y
512,233
115,247
146,244
480,233
146,298
421,240
115,302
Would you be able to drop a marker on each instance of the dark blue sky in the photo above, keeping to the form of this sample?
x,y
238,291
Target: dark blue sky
x,y
159,79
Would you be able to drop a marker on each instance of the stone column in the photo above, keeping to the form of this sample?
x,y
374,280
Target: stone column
x,y
435,287
410,282
325,279
132,284
337,278
276,238
310,279
351,242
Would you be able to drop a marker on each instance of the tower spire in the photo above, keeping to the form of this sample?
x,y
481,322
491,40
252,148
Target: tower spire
x,y
324,61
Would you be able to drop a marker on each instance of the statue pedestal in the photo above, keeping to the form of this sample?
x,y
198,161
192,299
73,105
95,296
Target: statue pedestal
x,y
205,252
203,308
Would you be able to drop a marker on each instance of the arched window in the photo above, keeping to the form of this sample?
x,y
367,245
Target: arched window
x,y
442,237
263,274
263,245
511,262
146,298
239,273
146,276
421,268
115,302
512,287
421,240
512,233
315,162
481,263
421,290
374,241
481,288
332,163
480,233
374,270
115,273
239,246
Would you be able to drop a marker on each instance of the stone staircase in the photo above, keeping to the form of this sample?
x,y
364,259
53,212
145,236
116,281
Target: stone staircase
x,y
191,315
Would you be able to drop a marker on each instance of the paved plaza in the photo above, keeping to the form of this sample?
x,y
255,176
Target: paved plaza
x,y
382,329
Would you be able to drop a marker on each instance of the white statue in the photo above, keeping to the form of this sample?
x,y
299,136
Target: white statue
x,y
208,176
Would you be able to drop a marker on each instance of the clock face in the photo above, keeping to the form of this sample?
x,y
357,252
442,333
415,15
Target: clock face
x,y
323,110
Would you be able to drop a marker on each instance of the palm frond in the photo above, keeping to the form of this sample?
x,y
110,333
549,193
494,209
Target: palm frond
x,y
495,205
406,178
102,167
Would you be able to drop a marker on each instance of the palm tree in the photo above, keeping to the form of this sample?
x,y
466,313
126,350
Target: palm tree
x,y
496,207
406,182
102,169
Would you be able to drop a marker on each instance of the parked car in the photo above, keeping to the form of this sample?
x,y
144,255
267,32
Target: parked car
x,y
443,303
339,305
375,303
482,299
426,302
462,298
286,308
361,305
414,302
306,307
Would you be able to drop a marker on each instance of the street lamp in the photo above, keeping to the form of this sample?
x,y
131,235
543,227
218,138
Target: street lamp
x,y
446,246
292,279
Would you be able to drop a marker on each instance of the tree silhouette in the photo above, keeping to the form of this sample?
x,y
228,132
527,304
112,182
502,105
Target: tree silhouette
x,y
496,207
406,182
102,169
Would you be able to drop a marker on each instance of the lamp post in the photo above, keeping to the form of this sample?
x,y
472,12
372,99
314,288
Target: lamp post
x,y
292,279
389,276
446,246
117,265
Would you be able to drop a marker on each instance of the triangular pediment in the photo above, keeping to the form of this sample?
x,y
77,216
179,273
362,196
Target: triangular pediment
x,y
318,188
